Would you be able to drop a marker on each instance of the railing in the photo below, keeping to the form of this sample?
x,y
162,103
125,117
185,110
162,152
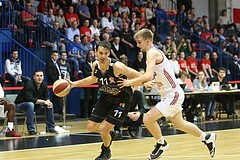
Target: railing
x,y
31,61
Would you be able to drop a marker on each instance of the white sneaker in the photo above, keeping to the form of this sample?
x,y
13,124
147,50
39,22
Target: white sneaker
x,y
158,150
60,130
210,142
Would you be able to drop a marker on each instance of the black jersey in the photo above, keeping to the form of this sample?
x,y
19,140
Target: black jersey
x,y
108,87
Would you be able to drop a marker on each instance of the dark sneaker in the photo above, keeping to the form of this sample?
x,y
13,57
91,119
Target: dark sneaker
x,y
32,132
52,131
210,142
132,133
158,150
116,135
105,154
12,133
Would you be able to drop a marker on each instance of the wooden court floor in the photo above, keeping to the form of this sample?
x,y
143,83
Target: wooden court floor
x,y
182,147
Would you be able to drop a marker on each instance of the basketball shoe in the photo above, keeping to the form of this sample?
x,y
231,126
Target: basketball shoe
x,y
210,141
105,154
158,150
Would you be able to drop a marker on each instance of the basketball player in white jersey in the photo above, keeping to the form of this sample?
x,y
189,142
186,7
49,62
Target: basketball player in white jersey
x,y
160,73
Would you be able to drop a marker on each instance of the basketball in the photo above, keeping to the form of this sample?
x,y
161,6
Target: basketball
x,y
61,88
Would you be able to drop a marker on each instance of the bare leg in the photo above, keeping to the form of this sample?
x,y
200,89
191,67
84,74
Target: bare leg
x,y
185,126
10,107
104,130
150,121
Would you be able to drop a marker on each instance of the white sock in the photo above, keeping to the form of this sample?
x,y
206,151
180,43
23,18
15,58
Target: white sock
x,y
160,141
203,136
10,125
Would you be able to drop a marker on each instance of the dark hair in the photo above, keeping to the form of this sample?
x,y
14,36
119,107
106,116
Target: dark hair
x,y
76,35
14,50
104,44
37,70
54,51
222,69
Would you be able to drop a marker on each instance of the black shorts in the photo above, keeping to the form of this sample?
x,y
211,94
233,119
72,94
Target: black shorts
x,y
114,113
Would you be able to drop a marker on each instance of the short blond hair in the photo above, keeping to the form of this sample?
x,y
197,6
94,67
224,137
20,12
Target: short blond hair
x,y
145,34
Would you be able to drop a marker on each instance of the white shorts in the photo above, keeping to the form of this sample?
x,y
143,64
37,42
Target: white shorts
x,y
170,104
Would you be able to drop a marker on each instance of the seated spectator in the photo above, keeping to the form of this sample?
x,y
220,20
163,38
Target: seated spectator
x,y
117,48
187,23
215,63
123,8
140,62
107,22
157,42
49,18
74,56
143,21
35,95
185,46
182,62
54,39
73,30
134,117
197,27
133,20
175,36
169,47
225,21
95,41
150,13
106,7
192,64
83,12
62,22
71,17
95,10
13,70
201,85
85,30
226,100
205,20
10,108
95,28
86,47
44,6
205,66
117,21
208,37
174,63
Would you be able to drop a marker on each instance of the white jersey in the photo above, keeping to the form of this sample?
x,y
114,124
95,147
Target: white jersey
x,y
164,76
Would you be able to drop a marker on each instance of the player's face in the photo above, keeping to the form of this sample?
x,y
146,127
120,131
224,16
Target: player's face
x,y
38,77
102,54
141,44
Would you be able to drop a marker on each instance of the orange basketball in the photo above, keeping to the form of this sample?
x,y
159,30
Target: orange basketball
x,y
61,88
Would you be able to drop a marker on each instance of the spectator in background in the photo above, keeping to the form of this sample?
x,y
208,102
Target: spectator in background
x,y
215,63
169,47
150,13
13,70
54,39
95,41
192,12
133,20
205,21
62,22
143,21
174,63
140,62
226,100
73,30
182,63
117,48
197,26
90,94
201,85
84,30
64,66
83,11
106,7
107,22
95,10
192,64
156,37
208,37
175,36
35,95
53,74
185,46
86,47
187,23
225,21
205,66
123,8
117,21
49,18
162,16
71,17
74,56
95,28
44,6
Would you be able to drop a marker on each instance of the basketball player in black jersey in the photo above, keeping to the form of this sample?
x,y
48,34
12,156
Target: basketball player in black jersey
x,y
112,106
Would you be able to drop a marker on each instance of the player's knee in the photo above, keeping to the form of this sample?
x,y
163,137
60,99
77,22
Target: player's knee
x,y
91,127
11,106
146,119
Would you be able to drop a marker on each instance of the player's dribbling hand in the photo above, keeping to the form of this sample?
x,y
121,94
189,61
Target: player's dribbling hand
x,y
148,85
